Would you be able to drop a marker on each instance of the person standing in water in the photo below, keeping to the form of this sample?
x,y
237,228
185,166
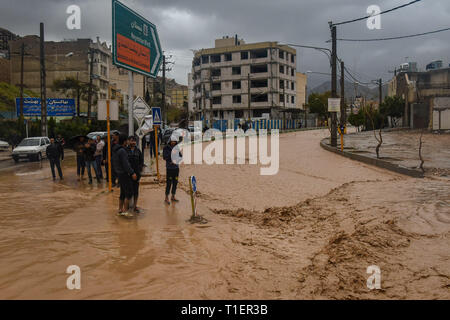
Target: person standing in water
x,y
173,157
125,173
54,154
136,159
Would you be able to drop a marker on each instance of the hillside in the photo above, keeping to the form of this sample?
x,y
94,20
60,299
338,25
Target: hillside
x,y
8,95
369,93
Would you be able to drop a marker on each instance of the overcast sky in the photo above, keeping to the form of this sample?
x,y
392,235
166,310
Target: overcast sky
x,y
194,24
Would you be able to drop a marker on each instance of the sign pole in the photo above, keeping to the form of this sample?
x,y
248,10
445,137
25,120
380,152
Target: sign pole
x,y
109,146
157,151
130,104
191,192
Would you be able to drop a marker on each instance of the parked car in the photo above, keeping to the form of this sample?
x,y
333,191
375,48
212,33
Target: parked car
x,y
4,146
31,148
102,134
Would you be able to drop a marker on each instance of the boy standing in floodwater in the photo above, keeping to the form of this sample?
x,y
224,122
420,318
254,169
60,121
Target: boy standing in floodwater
x,y
172,167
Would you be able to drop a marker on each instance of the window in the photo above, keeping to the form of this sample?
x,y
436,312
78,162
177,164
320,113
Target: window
x,y
258,68
103,71
215,72
256,54
281,98
281,69
260,97
205,59
292,85
281,55
236,85
292,58
292,73
215,58
216,86
237,99
239,114
281,84
196,62
293,99
217,100
244,55
228,57
236,70
258,83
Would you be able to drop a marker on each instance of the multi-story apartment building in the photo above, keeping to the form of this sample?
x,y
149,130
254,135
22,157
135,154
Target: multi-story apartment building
x,y
239,80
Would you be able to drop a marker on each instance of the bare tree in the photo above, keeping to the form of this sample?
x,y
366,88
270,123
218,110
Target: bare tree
x,y
422,161
370,114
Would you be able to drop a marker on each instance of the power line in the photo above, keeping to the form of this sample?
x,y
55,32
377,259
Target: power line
x,y
396,38
370,16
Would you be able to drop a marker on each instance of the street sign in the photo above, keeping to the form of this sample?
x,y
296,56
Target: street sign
x,y
140,109
334,104
136,45
194,184
55,107
113,110
156,113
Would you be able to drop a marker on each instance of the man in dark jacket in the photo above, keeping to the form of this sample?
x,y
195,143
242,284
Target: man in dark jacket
x,y
54,154
125,173
114,141
81,164
89,158
60,140
136,159
173,157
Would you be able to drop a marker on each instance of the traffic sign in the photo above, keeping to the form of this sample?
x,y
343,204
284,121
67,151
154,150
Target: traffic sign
x,y
136,45
194,184
113,110
334,104
140,109
156,113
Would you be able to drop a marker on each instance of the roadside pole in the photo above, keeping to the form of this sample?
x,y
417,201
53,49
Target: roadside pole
x,y
333,141
130,103
155,127
192,192
108,128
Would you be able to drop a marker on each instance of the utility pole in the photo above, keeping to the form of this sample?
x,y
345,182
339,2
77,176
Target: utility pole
x,y
43,84
210,99
130,103
380,91
284,107
249,98
78,95
343,108
164,90
204,105
91,68
333,85
22,53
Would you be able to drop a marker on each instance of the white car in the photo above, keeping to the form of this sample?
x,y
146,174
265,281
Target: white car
x,y
31,148
4,146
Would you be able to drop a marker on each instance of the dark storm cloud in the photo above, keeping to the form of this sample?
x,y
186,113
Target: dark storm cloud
x,y
194,24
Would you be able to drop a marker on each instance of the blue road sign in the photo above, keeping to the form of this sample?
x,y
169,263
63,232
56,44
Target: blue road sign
x,y
55,107
194,184
156,113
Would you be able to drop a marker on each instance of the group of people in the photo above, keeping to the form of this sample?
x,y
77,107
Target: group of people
x,y
127,163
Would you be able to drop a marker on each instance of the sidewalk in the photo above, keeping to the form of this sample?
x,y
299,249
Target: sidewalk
x,y
402,148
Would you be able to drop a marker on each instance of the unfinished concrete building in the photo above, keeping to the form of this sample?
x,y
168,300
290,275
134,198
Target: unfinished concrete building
x,y
235,80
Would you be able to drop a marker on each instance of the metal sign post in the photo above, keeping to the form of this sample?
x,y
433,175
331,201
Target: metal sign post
x,y
193,192
156,115
108,128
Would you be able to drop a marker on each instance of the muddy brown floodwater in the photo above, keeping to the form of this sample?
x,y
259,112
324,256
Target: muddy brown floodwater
x,y
309,232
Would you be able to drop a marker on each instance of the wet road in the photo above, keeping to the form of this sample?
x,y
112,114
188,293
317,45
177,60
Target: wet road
x,y
46,226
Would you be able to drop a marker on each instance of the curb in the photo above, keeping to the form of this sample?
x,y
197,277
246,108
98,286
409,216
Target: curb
x,y
373,161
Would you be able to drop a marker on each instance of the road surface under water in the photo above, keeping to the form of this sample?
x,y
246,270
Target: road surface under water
x,y
266,238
